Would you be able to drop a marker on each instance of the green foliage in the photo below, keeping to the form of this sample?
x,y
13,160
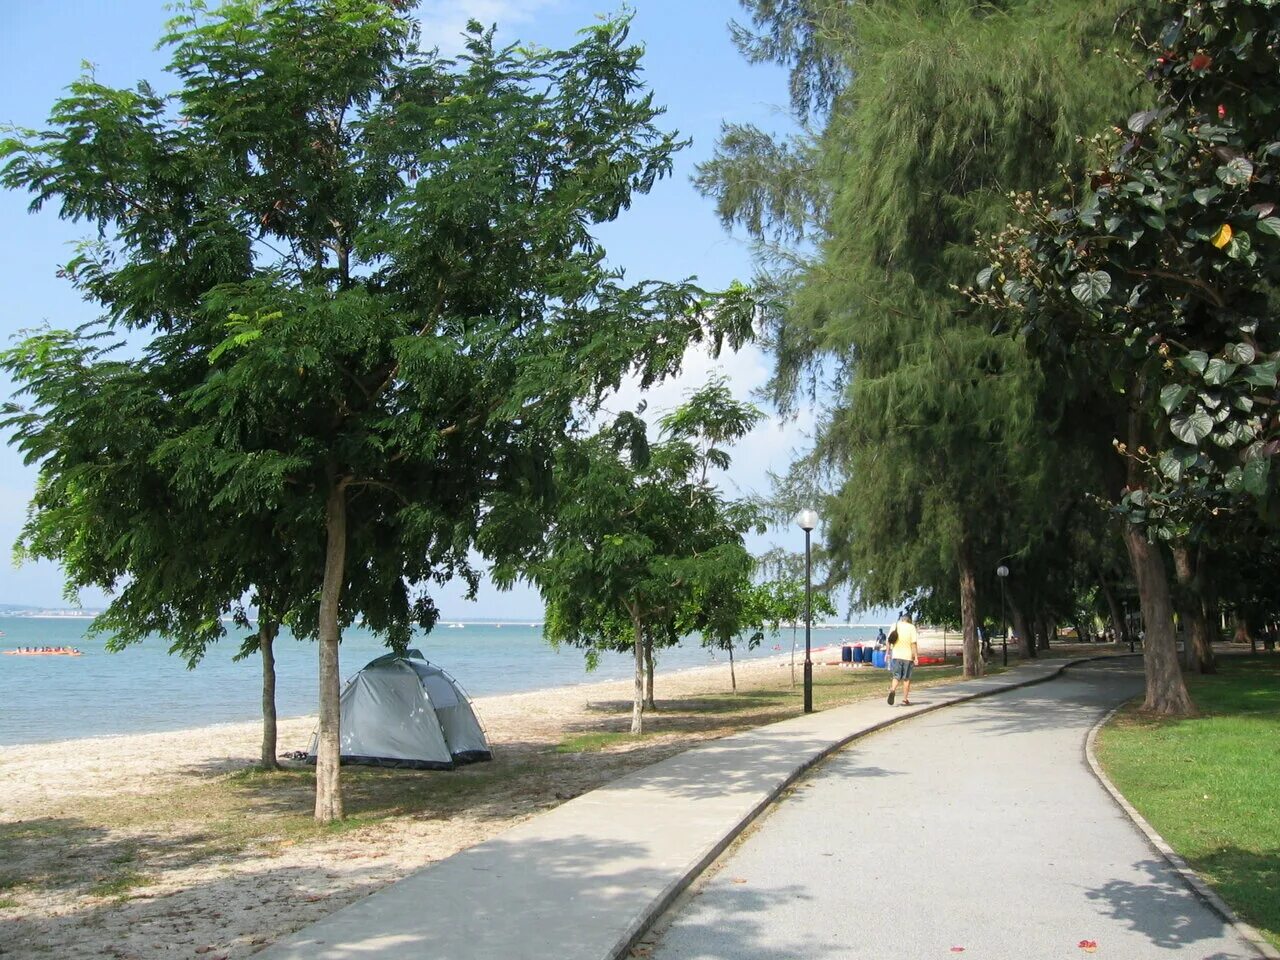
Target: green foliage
x,y
643,548
775,602
372,307
934,450
1159,272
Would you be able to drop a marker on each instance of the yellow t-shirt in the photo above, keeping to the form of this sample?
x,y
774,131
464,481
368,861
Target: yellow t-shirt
x,y
906,638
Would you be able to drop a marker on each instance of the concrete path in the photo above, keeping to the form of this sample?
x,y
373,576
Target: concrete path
x,y
1006,846
582,881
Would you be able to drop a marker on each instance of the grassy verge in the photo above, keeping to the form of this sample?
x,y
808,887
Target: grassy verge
x,y
1211,784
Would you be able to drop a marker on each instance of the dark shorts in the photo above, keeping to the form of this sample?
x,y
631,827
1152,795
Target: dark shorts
x,y
901,669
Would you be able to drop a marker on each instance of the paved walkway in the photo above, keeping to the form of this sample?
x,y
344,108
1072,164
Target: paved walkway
x,y
1005,846
582,881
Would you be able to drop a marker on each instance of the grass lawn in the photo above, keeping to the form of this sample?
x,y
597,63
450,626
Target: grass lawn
x,y
1211,784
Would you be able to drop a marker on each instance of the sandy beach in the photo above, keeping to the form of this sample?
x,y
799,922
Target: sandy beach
x,y
106,849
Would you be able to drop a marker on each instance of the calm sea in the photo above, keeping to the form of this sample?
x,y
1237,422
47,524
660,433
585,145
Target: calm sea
x,y
143,689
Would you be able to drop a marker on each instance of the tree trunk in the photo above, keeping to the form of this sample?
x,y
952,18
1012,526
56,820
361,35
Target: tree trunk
x,y
1244,632
1047,627
1082,633
648,673
328,771
973,665
1025,640
1199,650
267,630
1166,691
733,677
1120,628
637,702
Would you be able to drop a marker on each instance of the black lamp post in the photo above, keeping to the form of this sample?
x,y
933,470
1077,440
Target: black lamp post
x,y
807,519
1002,571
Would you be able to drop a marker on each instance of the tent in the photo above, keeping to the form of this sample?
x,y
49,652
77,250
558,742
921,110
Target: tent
x,y
401,711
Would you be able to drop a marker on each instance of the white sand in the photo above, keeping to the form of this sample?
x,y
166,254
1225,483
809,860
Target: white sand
x,y
188,904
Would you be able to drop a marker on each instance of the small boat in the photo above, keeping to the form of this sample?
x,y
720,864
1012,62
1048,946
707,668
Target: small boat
x,y
43,653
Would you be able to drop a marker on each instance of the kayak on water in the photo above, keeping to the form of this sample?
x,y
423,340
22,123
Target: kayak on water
x,y
49,652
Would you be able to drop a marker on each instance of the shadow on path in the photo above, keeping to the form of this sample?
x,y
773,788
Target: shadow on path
x,y
1161,908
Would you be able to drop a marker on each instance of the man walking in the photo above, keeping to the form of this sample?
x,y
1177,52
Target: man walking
x,y
904,654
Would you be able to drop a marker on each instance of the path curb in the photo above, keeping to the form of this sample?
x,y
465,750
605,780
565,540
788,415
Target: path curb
x,y
1189,876
642,924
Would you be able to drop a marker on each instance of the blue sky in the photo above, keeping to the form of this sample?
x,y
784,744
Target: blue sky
x,y
690,63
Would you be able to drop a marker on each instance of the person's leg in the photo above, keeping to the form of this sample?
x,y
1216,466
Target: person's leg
x,y
906,683
893,680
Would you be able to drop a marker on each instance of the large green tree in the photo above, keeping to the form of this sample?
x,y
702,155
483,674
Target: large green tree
x,y
370,284
941,463
643,547
1155,282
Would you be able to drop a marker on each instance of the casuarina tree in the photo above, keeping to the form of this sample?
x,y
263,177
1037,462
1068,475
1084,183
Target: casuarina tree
x,y
368,278
915,132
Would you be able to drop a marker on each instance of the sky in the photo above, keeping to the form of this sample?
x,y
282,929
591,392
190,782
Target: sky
x,y
690,64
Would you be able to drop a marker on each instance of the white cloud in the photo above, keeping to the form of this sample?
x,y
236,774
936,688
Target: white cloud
x,y
444,21
769,447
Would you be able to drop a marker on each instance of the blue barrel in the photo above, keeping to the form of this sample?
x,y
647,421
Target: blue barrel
x,y
878,658
846,654
857,653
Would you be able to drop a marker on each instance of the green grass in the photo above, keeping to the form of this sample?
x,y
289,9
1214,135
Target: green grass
x,y
7,903
595,742
119,884
1211,784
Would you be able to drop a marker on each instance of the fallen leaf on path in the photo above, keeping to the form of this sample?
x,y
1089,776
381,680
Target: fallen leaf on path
x,y
739,879
957,949
1088,946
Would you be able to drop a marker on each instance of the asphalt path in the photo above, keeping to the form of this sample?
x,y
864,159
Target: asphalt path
x,y
1002,846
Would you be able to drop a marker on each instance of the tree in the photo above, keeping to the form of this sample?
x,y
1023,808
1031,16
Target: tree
x,y
933,435
374,271
643,548
1155,277
772,603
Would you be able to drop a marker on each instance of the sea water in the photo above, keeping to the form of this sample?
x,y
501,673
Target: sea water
x,y
144,689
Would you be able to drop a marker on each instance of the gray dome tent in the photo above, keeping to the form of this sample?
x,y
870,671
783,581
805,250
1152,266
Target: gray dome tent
x,y
401,711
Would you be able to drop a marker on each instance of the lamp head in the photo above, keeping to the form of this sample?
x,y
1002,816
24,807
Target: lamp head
x,y
1002,571
807,519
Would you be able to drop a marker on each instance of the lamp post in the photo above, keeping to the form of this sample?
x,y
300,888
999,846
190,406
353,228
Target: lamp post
x,y
807,519
1002,571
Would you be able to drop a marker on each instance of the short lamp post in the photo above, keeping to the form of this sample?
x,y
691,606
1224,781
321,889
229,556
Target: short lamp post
x,y
1002,571
808,519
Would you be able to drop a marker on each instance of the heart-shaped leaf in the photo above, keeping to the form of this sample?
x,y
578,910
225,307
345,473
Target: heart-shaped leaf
x,y
1142,119
1219,371
1255,475
1193,427
1269,225
1172,395
1236,172
1195,361
1263,374
1090,288
1241,352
